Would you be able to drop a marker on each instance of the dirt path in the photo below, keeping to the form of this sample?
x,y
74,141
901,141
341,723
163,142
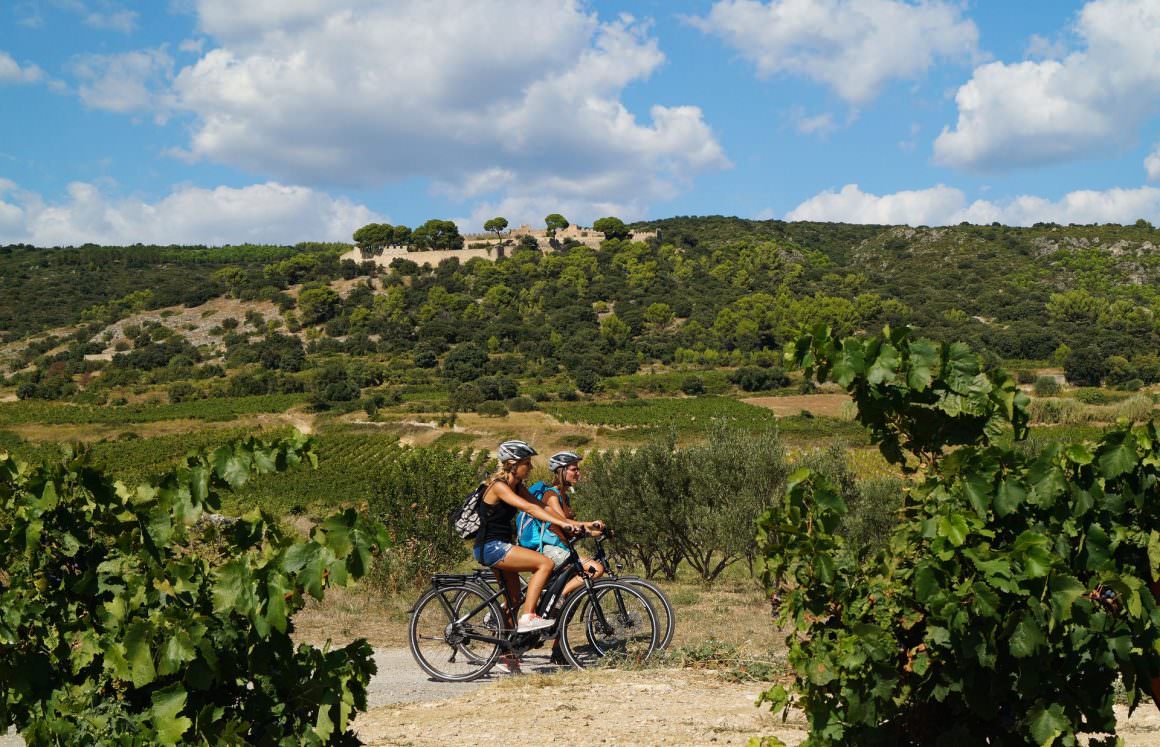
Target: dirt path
x,y
656,706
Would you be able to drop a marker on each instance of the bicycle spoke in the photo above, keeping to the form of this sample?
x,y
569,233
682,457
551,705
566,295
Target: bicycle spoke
x,y
613,620
445,632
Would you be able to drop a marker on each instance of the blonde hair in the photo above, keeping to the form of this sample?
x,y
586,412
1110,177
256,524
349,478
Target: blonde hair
x,y
505,472
558,480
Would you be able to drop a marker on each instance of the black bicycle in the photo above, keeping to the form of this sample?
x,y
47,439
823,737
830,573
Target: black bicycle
x,y
662,607
462,625
666,617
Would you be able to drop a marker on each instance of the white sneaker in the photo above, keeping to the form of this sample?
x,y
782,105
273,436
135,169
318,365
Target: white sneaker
x,y
531,621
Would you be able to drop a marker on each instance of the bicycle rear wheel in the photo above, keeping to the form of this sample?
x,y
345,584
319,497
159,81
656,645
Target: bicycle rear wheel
x,y
613,621
666,618
454,631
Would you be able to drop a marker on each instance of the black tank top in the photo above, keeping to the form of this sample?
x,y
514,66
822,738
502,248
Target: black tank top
x,y
496,523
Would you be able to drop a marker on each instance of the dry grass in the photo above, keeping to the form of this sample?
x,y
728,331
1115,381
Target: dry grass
x,y
735,613
828,405
346,614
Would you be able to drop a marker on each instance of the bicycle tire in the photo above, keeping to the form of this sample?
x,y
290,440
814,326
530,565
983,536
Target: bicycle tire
x,y
666,617
441,629
611,619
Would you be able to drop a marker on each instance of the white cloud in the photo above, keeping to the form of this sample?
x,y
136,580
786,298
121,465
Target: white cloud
x,y
1042,47
1091,101
126,82
853,46
13,72
364,93
260,213
192,46
852,205
941,206
99,14
1152,164
115,20
812,124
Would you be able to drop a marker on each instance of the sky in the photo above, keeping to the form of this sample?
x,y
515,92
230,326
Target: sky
x,y
278,121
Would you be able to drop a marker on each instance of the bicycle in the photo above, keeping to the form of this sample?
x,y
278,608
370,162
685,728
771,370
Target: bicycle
x,y
459,629
666,616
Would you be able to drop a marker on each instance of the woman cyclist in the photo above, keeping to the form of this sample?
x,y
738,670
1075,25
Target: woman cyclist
x,y
494,545
565,467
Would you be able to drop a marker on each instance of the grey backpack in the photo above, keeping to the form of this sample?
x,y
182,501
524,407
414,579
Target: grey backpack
x,y
465,520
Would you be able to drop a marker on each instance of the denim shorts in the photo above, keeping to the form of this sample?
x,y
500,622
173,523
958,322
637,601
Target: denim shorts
x,y
556,553
491,552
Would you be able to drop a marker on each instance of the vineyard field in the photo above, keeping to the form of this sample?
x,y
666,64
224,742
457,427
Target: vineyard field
x,y
211,410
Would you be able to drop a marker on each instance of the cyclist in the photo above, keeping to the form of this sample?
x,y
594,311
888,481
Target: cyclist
x,y
565,468
494,545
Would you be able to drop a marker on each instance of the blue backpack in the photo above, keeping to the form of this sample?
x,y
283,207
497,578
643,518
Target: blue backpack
x,y
531,532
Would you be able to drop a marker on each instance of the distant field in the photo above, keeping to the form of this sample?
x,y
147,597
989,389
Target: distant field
x,y
218,409
682,413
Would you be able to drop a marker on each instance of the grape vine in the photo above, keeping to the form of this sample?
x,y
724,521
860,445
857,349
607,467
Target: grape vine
x,y
1014,594
134,616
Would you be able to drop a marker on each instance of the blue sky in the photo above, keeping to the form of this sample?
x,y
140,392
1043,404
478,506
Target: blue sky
x,y
213,121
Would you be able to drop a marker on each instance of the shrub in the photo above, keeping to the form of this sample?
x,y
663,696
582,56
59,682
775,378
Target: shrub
x,y
694,504
692,385
496,387
521,404
182,391
1084,367
465,397
757,379
1132,385
415,490
1025,376
587,381
573,440
1046,386
465,362
1093,396
492,409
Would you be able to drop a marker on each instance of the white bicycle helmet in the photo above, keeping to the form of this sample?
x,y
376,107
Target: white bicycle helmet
x,y
562,459
513,451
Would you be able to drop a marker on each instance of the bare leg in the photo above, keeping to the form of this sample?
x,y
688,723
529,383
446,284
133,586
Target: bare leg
x,y
522,559
594,569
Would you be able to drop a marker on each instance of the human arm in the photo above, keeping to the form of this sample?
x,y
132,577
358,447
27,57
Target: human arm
x,y
502,491
554,504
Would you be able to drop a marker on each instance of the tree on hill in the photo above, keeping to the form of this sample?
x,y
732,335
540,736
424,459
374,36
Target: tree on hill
x,y
612,228
497,226
372,238
556,222
437,234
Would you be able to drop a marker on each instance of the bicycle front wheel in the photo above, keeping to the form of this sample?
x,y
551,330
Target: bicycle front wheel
x,y
666,618
455,632
612,620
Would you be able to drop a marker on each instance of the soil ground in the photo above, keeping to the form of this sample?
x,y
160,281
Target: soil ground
x,y
647,707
